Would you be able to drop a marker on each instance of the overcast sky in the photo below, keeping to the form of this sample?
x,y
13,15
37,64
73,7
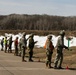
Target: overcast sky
x,y
49,7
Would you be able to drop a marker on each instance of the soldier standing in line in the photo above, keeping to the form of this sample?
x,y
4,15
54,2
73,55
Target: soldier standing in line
x,y
19,48
16,46
49,51
23,46
5,43
59,55
31,46
2,44
10,45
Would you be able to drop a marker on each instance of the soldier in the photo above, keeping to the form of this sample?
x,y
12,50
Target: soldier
x,y
31,46
2,44
5,42
23,46
59,55
20,47
10,45
16,46
49,50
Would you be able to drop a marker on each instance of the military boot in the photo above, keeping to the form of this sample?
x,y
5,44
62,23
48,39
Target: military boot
x,y
49,66
22,58
46,64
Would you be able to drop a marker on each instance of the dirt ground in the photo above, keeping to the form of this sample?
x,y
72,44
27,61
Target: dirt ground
x,y
12,65
69,56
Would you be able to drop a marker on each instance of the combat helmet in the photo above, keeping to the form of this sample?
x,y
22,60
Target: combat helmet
x,y
24,34
32,34
62,33
49,36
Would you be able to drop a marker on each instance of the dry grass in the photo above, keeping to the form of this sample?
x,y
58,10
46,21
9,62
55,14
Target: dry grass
x,y
37,32
69,56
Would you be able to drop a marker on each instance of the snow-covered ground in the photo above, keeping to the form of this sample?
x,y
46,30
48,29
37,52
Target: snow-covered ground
x,y
41,39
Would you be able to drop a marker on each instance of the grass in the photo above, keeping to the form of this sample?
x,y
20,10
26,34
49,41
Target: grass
x,y
37,32
69,56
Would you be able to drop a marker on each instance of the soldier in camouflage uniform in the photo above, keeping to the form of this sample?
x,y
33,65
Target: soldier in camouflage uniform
x,y
23,46
10,45
31,46
49,51
5,43
59,55
2,44
19,47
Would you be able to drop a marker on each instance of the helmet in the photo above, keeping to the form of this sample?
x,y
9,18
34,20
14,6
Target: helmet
x,y
62,33
49,36
31,35
11,37
24,34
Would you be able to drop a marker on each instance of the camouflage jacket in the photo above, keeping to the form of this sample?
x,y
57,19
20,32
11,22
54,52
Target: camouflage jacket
x,y
60,44
23,42
31,43
49,45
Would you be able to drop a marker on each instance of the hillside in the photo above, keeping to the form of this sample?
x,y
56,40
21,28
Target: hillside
x,y
37,22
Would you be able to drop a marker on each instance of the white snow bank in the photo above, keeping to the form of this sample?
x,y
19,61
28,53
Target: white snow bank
x,y
41,39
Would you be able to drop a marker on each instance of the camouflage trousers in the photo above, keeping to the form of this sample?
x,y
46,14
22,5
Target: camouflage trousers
x,y
30,53
16,50
58,60
5,47
22,53
48,58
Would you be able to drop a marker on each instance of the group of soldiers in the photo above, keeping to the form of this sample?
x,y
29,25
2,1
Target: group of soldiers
x,y
59,48
20,46
22,43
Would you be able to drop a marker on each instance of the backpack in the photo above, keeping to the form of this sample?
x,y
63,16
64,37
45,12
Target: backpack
x,y
51,45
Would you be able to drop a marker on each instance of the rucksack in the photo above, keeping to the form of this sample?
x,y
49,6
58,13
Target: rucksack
x,y
51,45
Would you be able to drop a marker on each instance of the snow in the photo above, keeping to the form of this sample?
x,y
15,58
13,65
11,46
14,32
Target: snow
x,y
41,39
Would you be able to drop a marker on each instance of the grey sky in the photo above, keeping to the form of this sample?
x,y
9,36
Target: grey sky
x,y
50,7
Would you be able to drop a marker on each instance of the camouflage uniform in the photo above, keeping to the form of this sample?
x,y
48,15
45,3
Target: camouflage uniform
x,y
60,46
5,42
10,45
49,51
2,44
20,47
23,46
31,46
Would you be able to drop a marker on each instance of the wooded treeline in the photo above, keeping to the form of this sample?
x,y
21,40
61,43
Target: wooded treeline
x,y
36,22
